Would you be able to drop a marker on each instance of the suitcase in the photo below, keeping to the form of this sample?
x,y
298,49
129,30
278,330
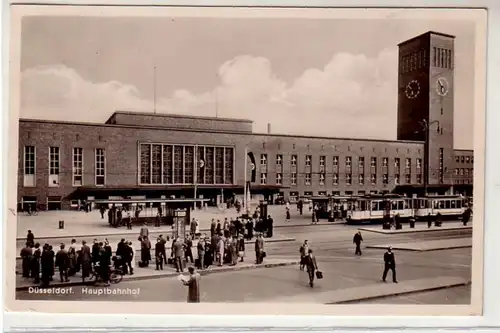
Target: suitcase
x,y
319,275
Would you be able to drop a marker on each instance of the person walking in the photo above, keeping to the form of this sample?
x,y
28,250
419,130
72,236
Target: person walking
x,y
200,249
85,260
259,249
188,250
145,251
303,250
193,283
159,253
241,248
389,264
312,266
357,239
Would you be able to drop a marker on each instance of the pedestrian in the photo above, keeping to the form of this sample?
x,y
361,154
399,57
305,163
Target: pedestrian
x,y
157,220
429,220
104,263
144,230
303,250
192,228
85,260
218,229
159,253
213,226
287,216
52,257
121,256
62,262
164,255
311,265
95,252
30,238
26,257
178,252
389,264
188,250
241,248
102,210
259,249
47,265
357,239
220,249
145,251
36,263
270,223
128,217
72,258
200,249
193,284
131,258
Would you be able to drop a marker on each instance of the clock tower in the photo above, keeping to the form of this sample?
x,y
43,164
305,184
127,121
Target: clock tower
x,y
425,101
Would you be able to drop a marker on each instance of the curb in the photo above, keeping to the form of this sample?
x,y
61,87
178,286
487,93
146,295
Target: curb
x,y
20,239
173,274
413,231
266,241
402,293
428,250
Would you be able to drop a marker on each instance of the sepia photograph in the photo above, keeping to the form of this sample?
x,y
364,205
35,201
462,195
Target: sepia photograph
x,y
244,157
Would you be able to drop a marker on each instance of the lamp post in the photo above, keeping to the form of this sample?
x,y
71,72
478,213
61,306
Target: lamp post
x,y
426,127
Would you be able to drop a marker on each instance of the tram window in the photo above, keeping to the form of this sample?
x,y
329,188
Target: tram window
x,y
459,203
400,205
394,205
453,203
407,204
363,205
374,206
447,204
441,204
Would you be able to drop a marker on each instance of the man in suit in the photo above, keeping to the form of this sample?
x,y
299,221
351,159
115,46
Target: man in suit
x,y
62,261
85,260
311,265
389,264
159,253
259,249
357,239
194,286
144,231
178,250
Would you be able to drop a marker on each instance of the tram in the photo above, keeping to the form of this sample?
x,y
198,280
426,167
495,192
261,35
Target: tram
x,y
447,206
375,208
333,207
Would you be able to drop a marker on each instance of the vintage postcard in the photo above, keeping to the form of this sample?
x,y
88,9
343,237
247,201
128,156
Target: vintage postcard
x,y
287,160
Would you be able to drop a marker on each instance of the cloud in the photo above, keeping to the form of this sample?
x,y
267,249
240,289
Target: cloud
x,y
351,96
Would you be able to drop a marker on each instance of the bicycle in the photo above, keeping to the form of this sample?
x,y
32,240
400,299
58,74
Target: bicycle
x,y
115,276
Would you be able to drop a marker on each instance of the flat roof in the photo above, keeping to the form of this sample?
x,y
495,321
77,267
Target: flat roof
x,y
62,122
425,34
164,115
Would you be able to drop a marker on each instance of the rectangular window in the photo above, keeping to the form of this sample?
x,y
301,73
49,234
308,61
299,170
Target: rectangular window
x,y
308,178
408,179
335,179
263,159
397,163
100,166
396,179
54,165
457,159
408,163
348,179
209,165
373,162
322,161
279,159
188,164
156,164
361,179
322,179
178,164
385,162
445,58
450,62
29,166
461,172
308,160
456,172
434,57
373,178
167,165
462,159
335,161
293,161
467,159
293,178
219,165
77,166
228,165
442,58
419,179
263,178
419,163
439,57
385,178
348,161
279,179
361,162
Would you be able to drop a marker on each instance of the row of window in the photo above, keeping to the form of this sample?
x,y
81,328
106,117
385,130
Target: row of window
x,y
348,161
464,159
416,60
464,172
55,165
185,164
335,177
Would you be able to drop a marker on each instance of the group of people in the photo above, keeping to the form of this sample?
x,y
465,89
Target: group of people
x,y
243,227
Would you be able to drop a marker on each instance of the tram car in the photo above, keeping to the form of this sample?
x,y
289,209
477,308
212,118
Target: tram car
x,y
449,206
333,207
375,208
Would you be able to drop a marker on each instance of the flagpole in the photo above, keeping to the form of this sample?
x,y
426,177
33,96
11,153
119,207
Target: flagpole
x,y
154,89
245,203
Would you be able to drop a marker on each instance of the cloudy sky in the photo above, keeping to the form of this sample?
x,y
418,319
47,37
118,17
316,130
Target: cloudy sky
x,y
326,77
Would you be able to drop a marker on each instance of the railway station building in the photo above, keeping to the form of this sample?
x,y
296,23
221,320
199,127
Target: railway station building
x,y
149,155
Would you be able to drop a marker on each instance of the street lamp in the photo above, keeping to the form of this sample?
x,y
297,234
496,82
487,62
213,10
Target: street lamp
x,y
426,127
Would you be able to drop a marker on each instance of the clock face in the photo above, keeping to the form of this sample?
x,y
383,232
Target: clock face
x,y
442,86
412,89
